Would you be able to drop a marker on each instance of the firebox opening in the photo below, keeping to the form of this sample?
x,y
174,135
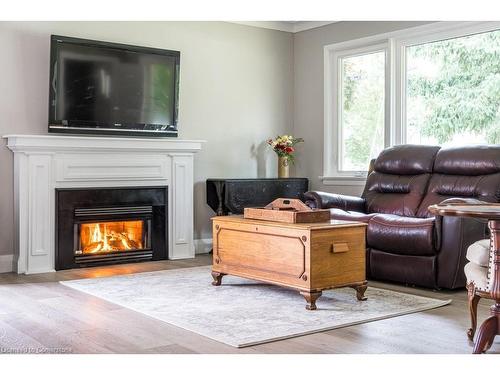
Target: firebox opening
x,y
112,236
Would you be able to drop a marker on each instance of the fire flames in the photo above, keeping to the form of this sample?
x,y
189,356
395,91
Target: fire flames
x,y
111,237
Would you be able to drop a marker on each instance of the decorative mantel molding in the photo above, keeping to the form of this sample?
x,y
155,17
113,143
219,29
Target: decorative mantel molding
x,y
51,143
43,163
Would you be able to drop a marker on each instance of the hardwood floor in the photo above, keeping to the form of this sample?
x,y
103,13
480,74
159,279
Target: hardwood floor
x,y
37,314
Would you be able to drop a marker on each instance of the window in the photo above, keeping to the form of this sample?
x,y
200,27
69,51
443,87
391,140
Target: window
x,y
361,110
433,84
453,90
357,109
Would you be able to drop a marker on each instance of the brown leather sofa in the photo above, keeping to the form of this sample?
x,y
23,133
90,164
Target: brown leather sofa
x,y
405,243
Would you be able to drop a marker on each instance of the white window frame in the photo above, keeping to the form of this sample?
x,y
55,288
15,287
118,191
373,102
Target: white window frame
x,y
395,44
336,98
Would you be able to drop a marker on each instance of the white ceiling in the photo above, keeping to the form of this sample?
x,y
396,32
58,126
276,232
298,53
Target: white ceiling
x,y
290,26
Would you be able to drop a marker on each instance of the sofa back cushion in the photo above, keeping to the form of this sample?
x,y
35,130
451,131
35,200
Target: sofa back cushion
x,y
464,172
399,180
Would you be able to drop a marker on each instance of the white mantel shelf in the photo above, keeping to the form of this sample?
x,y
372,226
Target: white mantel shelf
x,y
19,142
43,163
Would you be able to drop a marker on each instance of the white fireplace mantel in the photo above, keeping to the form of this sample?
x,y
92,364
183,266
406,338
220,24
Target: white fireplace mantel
x,y
43,163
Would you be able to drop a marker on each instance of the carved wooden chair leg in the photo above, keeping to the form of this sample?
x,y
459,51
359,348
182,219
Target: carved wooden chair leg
x,y
486,335
217,276
473,300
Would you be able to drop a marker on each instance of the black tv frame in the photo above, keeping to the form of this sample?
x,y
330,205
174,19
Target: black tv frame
x,y
55,126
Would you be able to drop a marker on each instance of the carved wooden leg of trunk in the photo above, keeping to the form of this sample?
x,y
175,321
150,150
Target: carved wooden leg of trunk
x,y
217,276
311,298
488,330
473,300
360,291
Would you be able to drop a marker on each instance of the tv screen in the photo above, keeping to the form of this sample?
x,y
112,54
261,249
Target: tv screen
x,y
108,88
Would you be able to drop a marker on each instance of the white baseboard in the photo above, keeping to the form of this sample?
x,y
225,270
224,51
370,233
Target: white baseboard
x,y
6,263
202,245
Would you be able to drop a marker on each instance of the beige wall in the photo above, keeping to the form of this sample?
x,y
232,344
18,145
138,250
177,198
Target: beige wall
x,y
236,90
239,86
308,91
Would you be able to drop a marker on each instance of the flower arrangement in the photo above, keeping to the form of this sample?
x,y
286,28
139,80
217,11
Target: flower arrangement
x,y
283,145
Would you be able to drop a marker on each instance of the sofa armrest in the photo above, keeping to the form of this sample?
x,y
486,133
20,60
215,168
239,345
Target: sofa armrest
x,y
456,235
453,236
320,199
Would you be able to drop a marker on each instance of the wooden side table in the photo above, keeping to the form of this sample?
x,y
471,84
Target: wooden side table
x,y
490,211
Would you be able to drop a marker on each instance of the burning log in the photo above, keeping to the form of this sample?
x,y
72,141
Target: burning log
x,y
104,241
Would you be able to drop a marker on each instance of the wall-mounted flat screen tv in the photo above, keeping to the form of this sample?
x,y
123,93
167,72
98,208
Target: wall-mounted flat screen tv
x,y
108,88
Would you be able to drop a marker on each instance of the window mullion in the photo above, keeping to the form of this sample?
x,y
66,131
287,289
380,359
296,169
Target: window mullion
x,y
398,82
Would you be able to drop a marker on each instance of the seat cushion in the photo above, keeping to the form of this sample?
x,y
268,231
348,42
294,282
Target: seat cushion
x,y
479,253
402,235
477,275
338,214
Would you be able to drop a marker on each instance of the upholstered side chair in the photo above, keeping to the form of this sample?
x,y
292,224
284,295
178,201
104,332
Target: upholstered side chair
x,y
478,274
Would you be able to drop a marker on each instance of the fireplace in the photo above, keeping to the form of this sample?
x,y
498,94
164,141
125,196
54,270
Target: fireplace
x,y
110,225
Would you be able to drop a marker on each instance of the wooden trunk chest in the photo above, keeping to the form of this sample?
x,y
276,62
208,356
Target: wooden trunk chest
x,y
306,257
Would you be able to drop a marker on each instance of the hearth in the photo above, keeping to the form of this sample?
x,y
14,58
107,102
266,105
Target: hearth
x,y
110,225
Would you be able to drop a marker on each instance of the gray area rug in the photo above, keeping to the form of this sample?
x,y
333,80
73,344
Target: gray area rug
x,y
241,312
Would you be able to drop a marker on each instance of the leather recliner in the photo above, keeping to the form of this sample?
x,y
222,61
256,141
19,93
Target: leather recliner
x,y
405,242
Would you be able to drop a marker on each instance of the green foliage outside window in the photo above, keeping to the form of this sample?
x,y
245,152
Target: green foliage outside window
x,y
362,109
453,94
462,94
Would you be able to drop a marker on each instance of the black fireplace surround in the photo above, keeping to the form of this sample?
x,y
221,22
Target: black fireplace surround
x,y
79,208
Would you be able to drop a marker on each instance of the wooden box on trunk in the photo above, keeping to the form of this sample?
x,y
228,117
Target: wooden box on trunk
x,y
287,211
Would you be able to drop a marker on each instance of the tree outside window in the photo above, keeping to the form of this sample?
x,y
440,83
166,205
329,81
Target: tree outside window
x,y
453,91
